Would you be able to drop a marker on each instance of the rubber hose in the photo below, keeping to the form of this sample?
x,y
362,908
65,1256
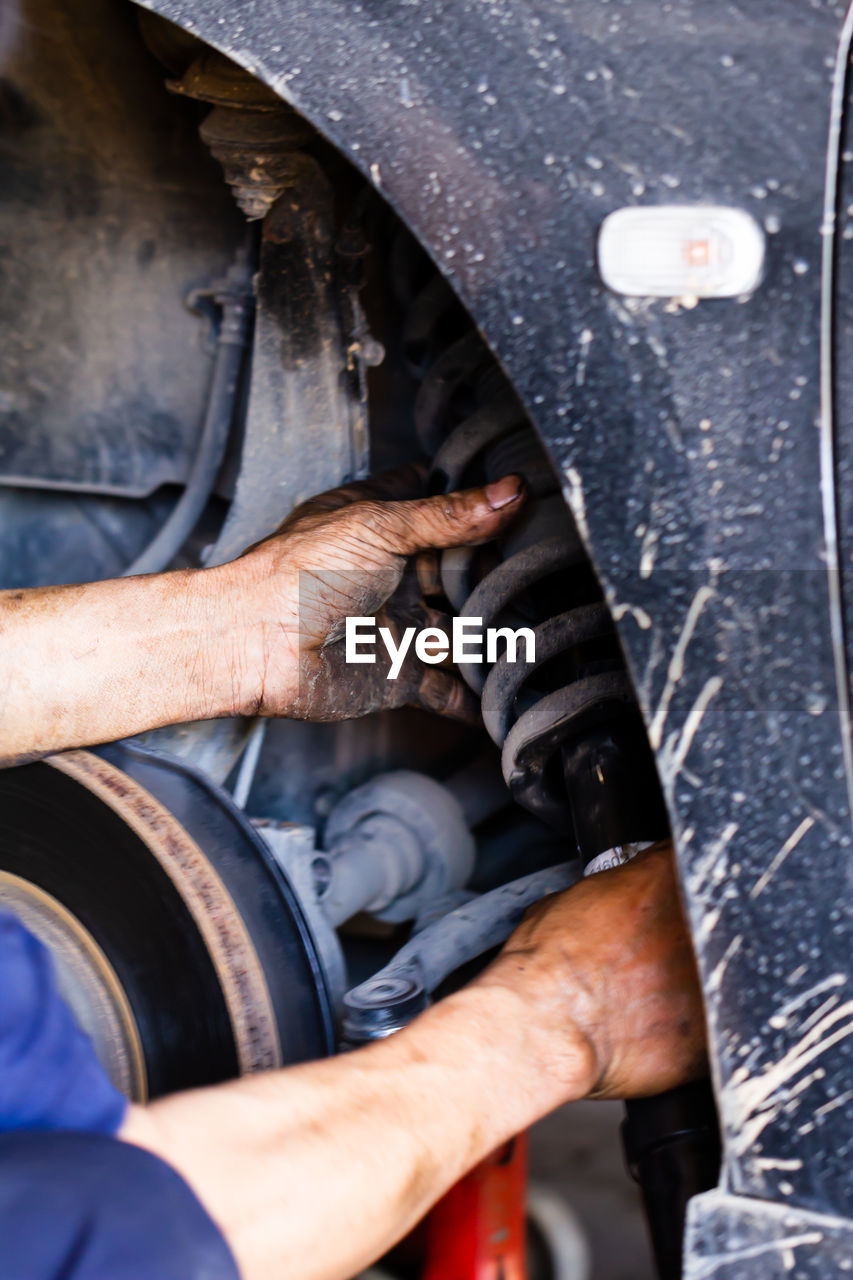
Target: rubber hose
x,y
236,300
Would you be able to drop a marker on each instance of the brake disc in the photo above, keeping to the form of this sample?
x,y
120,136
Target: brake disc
x,y
177,940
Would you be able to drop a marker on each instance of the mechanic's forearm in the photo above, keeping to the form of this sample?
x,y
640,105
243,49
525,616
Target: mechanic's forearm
x,y
91,663
316,1170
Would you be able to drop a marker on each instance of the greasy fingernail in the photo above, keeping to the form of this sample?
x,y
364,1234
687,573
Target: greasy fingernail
x,y
504,491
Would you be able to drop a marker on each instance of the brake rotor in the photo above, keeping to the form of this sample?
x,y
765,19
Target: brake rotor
x,y
177,940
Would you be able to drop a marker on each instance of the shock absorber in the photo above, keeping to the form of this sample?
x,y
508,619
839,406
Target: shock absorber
x,y
574,750
574,747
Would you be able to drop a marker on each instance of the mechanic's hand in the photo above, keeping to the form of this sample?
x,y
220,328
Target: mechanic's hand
x,y
343,554
611,960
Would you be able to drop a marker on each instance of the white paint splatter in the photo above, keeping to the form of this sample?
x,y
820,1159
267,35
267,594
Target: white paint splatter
x,y
751,1105
675,670
835,1102
715,977
711,1266
776,1162
648,552
584,344
575,497
825,984
702,868
636,611
790,844
675,761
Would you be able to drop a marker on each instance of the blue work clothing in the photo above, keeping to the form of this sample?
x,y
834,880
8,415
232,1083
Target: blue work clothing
x,y
76,1203
49,1075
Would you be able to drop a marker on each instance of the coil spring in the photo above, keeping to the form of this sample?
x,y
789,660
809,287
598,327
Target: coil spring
x,y
470,421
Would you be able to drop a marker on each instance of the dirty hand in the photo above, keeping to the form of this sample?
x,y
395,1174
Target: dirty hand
x,y
344,554
607,973
93,662
595,994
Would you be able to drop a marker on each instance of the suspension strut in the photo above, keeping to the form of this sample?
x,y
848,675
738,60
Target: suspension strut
x,y
574,747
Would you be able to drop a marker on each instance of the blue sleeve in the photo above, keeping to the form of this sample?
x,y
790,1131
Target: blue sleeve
x,y
80,1206
50,1077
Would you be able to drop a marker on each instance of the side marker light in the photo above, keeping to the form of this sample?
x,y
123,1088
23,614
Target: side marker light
x,y
675,251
